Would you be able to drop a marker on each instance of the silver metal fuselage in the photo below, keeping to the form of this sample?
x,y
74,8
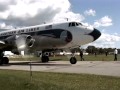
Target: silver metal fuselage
x,y
59,35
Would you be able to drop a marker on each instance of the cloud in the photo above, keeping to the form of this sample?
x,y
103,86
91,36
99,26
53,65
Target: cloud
x,y
90,12
31,12
4,5
71,16
104,21
27,20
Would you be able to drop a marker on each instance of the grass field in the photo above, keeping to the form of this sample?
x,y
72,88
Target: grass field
x,y
88,58
65,58
20,80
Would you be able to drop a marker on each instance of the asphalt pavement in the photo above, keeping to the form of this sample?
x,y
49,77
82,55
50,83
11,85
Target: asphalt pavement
x,y
109,68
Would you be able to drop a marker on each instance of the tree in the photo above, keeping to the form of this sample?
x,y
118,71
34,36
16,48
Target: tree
x,y
91,49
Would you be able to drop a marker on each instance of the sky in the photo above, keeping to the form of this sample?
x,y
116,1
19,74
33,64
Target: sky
x,y
101,14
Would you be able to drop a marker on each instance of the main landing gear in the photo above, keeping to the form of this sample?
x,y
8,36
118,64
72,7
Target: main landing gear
x,y
3,60
45,57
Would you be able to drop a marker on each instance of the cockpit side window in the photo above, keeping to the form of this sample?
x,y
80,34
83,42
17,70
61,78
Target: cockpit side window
x,y
77,24
69,24
80,24
72,24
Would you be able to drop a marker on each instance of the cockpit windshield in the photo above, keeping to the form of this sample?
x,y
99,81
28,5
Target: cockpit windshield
x,y
71,24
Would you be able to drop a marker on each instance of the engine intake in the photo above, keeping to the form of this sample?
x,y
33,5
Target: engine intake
x,y
20,41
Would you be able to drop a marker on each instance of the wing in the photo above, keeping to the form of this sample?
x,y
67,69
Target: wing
x,y
2,44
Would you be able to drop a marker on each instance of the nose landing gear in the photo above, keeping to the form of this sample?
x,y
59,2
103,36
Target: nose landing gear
x,y
73,60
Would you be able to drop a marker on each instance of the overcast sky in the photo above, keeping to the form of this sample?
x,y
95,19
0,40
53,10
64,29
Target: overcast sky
x,y
102,14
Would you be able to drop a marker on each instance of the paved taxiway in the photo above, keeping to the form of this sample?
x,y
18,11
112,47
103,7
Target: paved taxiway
x,y
110,68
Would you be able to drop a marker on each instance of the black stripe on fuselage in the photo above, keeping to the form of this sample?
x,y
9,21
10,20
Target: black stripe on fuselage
x,y
54,33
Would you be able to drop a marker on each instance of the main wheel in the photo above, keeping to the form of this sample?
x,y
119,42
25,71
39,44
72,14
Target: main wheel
x,y
73,60
5,60
45,58
1,61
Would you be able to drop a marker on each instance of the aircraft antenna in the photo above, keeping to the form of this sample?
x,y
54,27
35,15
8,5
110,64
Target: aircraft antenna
x,y
67,19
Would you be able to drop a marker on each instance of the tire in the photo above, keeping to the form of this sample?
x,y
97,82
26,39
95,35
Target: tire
x,y
73,60
5,60
1,61
47,58
44,59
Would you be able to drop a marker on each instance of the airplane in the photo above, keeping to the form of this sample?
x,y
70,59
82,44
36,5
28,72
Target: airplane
x,y
70,34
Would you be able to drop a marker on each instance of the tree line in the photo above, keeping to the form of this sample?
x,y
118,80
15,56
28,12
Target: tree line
x,y
93,50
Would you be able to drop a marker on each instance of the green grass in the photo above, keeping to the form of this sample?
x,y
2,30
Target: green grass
x,y
20,80
87,58
66,58
24,58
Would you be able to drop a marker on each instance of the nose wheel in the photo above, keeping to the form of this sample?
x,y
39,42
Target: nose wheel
x,y
73,60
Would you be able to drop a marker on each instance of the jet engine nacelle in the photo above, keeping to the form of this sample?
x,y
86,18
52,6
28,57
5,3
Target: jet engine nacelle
x,y
20,41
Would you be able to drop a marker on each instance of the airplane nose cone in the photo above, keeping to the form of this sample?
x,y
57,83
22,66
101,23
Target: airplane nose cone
x,y
95,34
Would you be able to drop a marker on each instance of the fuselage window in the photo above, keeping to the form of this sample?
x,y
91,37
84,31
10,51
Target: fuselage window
x,y
22,31
48,27
28,30
37,28
14,31
9,33
32,29
19,31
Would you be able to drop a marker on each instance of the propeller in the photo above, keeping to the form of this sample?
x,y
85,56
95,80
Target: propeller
x,y
24,41
20,42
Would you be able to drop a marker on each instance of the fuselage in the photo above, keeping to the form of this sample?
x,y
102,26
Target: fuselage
x,y
58,35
